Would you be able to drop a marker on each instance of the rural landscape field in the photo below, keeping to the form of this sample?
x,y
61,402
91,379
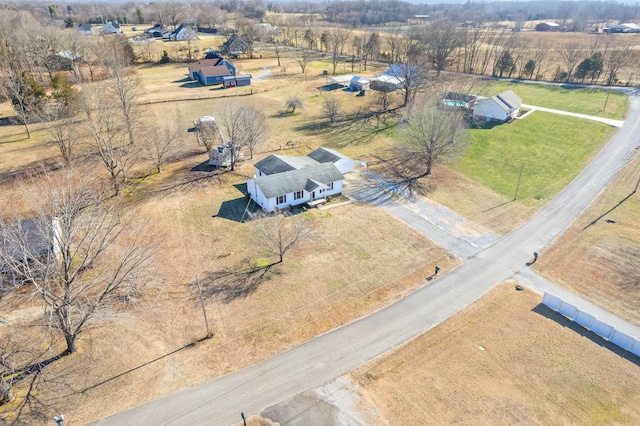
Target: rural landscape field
x,y
161,271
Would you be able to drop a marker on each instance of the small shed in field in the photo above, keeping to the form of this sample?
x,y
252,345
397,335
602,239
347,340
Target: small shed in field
x,y
223,154
236,81
547,26
358,83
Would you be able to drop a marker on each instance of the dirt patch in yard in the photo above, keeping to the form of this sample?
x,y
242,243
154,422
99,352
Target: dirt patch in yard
x,y
504,360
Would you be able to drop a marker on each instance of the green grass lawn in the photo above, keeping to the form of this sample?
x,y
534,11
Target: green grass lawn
x,y
553,148
582,101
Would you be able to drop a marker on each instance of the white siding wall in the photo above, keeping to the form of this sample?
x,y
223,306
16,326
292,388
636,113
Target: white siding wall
x,y
489,109
271,204
345,165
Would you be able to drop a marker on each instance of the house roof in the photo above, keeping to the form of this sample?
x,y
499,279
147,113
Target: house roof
x,y
495,100
551,24
203,63
86,26
29,239
296,180
275,164
214,71
236,44
388,79
326,155
510,98
340,79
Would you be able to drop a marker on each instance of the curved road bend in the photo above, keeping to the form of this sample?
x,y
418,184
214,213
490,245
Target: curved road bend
x,y
220,400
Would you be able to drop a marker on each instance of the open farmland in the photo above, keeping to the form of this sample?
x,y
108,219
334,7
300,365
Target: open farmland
x,y
505,360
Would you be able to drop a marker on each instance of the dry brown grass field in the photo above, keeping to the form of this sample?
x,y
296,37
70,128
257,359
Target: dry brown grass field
x,y
598,256
505,360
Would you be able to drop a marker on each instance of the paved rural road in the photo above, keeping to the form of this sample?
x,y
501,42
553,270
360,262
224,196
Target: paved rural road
x,y
219,401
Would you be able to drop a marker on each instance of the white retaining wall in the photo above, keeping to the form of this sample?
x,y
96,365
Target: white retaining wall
x,y
592,323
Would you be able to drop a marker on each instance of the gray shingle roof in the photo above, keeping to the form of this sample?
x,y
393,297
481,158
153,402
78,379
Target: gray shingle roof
x,y
275,164
326,155
510,98
297,180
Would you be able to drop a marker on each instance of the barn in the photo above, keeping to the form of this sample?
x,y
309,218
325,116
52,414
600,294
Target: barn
x,y
547,26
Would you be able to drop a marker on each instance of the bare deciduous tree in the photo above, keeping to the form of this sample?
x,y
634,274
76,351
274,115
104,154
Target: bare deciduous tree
x,y
337,40
158,148
282,232
370,48
571,54
65,132
303,60
294,103
93,257
123,83
240,125
108,138
442,39
331,109
431,133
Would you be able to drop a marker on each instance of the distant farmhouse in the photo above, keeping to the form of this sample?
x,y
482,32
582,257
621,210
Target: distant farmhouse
x,y
156,31
111,28
627,28
284,181
217,70
85,28
501,107
211,71
548,26
237,45
181,33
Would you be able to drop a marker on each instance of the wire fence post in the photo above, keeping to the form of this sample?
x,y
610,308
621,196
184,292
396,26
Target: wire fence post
x,y
518,185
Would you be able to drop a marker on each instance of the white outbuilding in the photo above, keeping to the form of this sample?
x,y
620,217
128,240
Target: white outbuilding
x,y
501,108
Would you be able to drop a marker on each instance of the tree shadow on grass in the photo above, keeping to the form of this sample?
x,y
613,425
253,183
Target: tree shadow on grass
x,y
186,180
614,207
231,286
547,312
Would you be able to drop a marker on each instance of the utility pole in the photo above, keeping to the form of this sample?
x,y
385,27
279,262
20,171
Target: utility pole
x,y
204,311
518,185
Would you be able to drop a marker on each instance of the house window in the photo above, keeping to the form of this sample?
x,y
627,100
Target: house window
x,y
321,191
331,186
297,195
281,199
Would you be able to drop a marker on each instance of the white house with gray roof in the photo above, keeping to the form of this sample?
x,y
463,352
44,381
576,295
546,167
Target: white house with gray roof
x,y
283,181
502,107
